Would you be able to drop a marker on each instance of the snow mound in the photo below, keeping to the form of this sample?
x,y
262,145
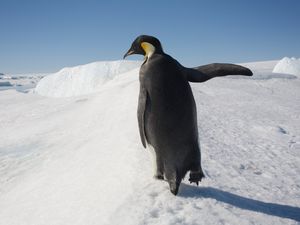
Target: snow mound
x,y
83,79
263,71
288,66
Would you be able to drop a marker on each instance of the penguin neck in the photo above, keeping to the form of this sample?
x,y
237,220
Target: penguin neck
x,y
150,49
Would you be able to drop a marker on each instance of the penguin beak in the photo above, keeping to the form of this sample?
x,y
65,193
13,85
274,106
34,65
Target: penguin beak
x,y
130,52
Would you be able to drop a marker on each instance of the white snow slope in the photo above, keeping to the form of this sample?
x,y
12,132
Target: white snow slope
x,y
83,79
288,65
79,160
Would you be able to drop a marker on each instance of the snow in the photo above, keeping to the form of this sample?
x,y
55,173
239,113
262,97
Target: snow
x,y
83,79
263,71
288,66
79,160
5,84
20,82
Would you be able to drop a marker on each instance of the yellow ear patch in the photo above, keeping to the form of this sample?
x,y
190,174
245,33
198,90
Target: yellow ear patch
x,y
148,48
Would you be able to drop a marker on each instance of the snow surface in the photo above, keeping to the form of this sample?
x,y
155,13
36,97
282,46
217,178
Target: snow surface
x,y
5,84
83,79
288,65
79,160
263,70
20,82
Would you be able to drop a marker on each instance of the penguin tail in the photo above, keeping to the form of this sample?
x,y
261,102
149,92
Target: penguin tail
x,y
174,179
174,186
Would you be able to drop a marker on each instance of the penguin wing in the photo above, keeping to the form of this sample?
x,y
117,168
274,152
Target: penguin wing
x,y
206,72
141,114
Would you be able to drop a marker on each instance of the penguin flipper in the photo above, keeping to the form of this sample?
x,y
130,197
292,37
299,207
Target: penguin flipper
x,y
141,114
206,72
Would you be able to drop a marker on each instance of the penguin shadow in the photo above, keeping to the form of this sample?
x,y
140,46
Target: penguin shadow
x,y
273,209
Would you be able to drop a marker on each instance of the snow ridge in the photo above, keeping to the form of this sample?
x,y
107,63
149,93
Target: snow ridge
x,y
288,66
84,79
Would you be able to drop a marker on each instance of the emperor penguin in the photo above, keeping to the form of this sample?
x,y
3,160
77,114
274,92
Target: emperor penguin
x,y
167,116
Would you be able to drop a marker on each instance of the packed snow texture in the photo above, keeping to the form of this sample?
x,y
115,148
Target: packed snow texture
x,y
84,79
79,160
288,66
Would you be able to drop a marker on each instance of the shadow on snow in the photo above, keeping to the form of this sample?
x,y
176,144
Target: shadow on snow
x,y
273,209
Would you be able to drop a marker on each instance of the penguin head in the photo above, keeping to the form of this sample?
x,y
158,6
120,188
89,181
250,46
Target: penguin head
x,y
145,45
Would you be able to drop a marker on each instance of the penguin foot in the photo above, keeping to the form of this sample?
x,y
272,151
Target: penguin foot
x,y
158,176
195,177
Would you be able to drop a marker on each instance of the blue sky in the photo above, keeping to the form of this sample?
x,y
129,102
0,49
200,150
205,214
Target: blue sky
x,y
44,36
